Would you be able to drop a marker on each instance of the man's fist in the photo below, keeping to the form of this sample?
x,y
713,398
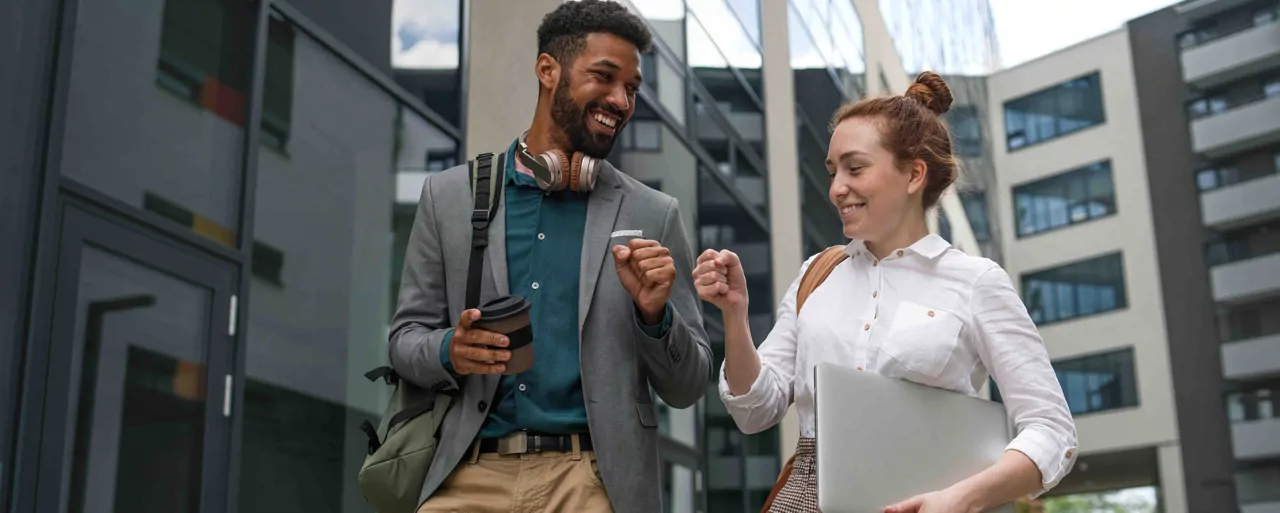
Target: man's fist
x,y
472,351
647,272
720,281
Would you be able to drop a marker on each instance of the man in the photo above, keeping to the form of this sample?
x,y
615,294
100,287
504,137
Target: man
x,y
603,332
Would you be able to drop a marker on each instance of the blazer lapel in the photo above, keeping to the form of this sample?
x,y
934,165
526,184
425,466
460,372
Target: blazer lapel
x,y
602,212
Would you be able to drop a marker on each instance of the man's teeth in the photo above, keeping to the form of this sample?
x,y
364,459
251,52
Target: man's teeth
x,y
606,121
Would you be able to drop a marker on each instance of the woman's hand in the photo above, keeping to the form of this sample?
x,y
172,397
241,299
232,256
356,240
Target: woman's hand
x,y
719,279
941,501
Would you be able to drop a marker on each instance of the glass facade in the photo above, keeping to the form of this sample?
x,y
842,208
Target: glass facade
x,y
698,135
1079,289
181,385
945,36
828,67
1065,199
1051,113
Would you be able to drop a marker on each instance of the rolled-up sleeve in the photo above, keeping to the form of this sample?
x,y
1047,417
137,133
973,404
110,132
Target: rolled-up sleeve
x,y
766,402
1012,350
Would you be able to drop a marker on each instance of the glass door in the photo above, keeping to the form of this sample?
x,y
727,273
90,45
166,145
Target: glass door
x,y
138,407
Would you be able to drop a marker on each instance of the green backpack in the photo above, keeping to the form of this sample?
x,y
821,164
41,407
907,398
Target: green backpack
x,y
404,443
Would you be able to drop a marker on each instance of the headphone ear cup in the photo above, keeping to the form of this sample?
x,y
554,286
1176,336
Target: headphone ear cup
x,y
575,171
587,169
559,175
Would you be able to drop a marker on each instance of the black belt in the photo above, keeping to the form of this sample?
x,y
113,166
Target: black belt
x,y
537,443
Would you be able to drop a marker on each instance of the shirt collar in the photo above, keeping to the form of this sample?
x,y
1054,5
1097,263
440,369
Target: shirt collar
x,y
514,172
931,246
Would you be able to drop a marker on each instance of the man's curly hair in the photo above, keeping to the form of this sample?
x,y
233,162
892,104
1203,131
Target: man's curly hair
x,y
563,32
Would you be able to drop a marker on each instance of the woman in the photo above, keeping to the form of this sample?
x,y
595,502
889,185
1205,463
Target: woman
x,y
904,305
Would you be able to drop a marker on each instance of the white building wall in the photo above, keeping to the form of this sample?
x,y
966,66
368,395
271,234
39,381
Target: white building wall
x,y
1140,325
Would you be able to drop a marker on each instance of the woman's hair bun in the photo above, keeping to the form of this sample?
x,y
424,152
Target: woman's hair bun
x,y
931,91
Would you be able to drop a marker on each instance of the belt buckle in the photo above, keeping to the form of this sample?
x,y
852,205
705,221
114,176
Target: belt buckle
x,y
513,443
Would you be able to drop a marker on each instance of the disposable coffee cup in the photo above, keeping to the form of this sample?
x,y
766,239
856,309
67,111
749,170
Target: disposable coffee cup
x,y
509,315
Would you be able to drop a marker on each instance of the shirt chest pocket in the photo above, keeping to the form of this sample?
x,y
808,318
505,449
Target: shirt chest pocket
x,y
922,339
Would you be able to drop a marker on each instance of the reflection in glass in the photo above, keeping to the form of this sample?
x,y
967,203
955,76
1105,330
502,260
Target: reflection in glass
x,y
1064,199
334,212
946,36
678,494
139,419
157,106
1074,290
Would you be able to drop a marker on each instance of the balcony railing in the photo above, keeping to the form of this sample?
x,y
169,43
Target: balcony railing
x,y
1203,36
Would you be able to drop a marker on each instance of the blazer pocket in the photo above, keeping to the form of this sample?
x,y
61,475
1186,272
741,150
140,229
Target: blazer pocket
x,y
922,338
647,417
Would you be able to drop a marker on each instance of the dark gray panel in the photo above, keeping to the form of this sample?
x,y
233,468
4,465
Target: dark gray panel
x,y
1193,342
363,26
26,49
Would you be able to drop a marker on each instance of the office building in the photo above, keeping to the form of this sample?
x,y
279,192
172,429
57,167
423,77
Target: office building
x,y
207,206
1138,196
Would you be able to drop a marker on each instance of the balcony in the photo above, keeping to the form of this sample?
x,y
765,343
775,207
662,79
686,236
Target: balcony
x,y
1241,203
1252,358
1198,9
1245,280
1256,439
1247,126
1214,59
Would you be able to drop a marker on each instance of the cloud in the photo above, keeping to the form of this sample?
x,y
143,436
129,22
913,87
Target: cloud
x,y
424,34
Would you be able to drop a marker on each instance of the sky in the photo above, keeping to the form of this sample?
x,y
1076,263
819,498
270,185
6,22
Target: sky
x,y
425,32
1028,29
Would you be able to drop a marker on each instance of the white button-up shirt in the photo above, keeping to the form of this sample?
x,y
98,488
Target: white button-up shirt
x,y
929,314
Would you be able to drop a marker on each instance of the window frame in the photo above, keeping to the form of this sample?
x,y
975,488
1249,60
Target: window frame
x,y
1050,94
1067,179
1107,354
1121,298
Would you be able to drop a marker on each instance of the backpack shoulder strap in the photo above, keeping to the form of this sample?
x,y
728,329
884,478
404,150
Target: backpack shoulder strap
x,y
486,187
818,271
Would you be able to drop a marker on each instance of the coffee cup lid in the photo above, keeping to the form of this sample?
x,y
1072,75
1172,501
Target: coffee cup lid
x,y
504,308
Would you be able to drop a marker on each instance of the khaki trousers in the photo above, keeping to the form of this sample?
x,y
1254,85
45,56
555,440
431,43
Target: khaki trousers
x,y
542,481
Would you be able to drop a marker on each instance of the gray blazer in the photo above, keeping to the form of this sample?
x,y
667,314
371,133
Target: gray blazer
x,y
619,361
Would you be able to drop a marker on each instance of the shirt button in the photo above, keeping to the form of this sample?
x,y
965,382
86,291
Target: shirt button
x,y
859,368
542,236
875,263
535,285
1070,453
930,313
899,252
867,327
875,293
483,406
522,387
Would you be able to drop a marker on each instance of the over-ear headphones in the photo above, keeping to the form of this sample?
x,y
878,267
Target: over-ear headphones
x,y
554,171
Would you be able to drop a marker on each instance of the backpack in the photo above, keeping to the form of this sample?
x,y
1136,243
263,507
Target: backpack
x,y
817,272
404,443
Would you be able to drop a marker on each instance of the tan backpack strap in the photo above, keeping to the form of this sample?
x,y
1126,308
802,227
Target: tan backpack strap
x,y
818,271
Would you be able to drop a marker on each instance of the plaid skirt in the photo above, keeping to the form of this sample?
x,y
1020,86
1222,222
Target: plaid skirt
x,y
800,493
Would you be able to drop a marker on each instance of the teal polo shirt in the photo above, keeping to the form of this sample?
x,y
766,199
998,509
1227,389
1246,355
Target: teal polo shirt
x,y
544,250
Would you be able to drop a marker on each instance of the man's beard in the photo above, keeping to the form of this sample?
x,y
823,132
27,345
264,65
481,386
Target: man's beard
x,y
572,119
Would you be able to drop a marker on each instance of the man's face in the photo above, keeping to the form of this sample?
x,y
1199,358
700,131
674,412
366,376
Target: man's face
x,y
596,94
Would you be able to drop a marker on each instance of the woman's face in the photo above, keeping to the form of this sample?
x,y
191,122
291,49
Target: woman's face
x,y
869,189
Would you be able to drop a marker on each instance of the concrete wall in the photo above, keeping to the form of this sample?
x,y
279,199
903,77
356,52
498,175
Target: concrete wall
x,y
1140,325
502,90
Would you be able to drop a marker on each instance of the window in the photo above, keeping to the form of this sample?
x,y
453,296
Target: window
x,y
1064,199
1054,112
975,208
642,135
1207,106
1079,289
1094,383
966,131
1271,88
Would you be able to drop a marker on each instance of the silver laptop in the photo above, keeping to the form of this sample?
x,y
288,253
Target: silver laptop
x,y
882,440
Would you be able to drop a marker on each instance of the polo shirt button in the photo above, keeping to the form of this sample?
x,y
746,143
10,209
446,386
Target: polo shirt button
x,y
542,236
483,406
522,387
535,285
